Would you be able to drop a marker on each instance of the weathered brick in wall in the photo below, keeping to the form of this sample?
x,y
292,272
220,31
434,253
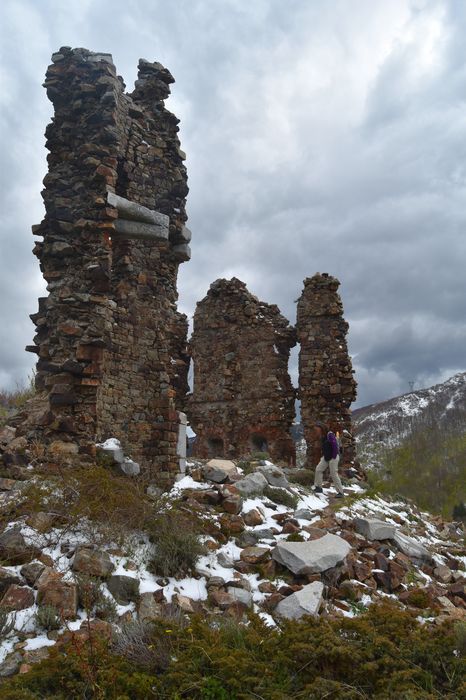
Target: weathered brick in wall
x,y
111,344
243,399
326,383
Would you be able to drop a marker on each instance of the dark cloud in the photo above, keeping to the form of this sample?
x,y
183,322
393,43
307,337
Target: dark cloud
x,y
320,137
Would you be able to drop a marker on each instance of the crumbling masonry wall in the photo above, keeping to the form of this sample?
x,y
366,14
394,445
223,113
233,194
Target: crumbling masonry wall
x,y
111,345
243,399
326,383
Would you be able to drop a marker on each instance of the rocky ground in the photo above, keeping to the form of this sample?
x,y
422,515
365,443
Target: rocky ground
x,y
272,547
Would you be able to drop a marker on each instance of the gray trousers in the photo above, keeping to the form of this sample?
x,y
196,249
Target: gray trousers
x,y
319,473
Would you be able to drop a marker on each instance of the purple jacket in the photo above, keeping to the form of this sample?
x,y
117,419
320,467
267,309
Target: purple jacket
x,y
330,448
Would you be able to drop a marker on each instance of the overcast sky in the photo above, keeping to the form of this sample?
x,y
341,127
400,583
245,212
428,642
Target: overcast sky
x,y
321,135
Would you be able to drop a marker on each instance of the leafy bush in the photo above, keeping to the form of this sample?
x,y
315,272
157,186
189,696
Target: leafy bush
x,y
281,496
383,654
177,547
47,618
92,598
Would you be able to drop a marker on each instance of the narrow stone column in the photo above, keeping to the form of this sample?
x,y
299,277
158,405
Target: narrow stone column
x,y
326,383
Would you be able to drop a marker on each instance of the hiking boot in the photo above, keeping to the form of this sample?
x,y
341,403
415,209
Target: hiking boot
x,y
318,489
340,495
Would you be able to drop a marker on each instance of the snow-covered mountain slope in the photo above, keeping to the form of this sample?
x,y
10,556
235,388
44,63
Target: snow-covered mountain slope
x,y
385,425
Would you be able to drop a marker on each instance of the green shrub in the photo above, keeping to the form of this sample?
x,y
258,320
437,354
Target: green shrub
x,y
295,537
176,544
281,496
418,598
47,618
93,600
85,671
382,654
260,456
304,477
460,638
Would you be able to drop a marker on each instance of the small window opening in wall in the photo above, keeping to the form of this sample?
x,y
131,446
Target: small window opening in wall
x,y
259,443
215,446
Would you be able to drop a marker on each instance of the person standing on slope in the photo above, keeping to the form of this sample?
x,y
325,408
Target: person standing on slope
x,y
330,458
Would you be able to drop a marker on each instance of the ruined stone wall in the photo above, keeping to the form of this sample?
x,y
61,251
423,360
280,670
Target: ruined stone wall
x,y
111,344
326,383
243,399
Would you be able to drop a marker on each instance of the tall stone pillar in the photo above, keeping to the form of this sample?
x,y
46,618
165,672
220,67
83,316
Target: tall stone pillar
x,y
111,345
326,383
243,399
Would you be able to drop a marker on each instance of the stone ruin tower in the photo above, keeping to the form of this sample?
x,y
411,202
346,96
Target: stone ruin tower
x,y
326,383
111,345
243,399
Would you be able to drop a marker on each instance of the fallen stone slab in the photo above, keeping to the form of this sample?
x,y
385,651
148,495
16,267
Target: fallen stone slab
x,y
374,529
129,467
304,514
113,449
311,557
412,548
307,601
252,485
125,589
31,572
14,550
225,560
92,562
274,475
219,470
17,598
7,435
148,608
240,595
254,555
7,577
253,517
11,664
60,595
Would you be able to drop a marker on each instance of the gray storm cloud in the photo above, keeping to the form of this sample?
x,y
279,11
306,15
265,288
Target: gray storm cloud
x,y
320,137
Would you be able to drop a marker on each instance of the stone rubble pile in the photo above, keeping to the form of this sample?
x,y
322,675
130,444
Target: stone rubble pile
x,y
277,559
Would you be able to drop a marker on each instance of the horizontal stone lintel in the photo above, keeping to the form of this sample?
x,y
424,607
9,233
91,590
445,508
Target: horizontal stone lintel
x,y
139,230
133,211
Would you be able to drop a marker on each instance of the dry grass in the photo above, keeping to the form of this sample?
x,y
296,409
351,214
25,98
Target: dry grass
x,y
12,401
100,503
